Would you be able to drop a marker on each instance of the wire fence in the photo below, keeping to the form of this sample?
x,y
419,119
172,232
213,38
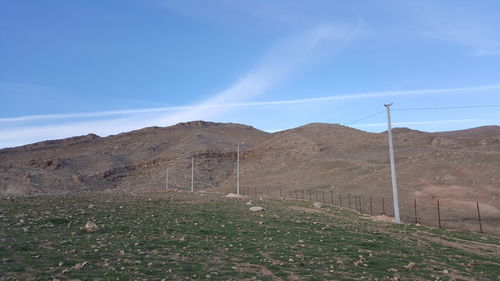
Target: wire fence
x,y
436,213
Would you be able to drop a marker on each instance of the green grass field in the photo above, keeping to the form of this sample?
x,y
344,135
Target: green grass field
x,y
182,236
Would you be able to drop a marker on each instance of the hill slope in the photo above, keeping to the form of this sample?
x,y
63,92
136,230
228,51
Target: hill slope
x,y
193,236
460,167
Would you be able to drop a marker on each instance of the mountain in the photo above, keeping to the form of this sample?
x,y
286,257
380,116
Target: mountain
x,y
133,160
459,167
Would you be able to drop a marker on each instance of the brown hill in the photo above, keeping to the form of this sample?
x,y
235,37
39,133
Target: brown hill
x,y
460,166
133,160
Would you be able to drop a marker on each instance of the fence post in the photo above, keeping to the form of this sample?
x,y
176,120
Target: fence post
x,y
415,207
479,218
383,206
439,215
360,204
371,207
310,195
349,196
355,202
255,190
323,196
296,196
280,191
340,198
331,194
268,191
317,196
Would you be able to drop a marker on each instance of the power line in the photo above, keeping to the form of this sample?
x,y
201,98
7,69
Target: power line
x,y
366,117
447,107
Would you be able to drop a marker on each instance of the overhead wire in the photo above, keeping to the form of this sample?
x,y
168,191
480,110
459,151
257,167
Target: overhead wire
x,y
366,117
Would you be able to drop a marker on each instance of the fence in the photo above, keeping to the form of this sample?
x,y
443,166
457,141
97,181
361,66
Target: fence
x,y
436,213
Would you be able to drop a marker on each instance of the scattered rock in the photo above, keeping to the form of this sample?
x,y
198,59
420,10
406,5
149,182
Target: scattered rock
x,y
317,205
410,265
76,178
256,209
79,266
233,195
248,203
91,227
382,218
445,271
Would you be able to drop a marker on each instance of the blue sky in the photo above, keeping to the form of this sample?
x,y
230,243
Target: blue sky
x,y
76,67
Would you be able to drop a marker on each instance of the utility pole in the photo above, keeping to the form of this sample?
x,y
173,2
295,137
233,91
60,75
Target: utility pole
x,y
192,174
238,171
166,181
395,196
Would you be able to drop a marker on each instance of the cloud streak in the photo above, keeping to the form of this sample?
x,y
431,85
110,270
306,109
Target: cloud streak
x,y
243,88
285,58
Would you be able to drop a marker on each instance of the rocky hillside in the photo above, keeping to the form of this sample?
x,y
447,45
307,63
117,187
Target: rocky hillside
x,y
460,166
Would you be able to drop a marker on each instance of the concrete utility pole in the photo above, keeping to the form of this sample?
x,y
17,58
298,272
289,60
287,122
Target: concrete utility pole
x,y
166,181
238,171
192,174
395,196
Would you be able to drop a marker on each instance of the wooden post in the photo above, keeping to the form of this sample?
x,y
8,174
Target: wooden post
x,y
360,204
415,207
323,196
383,206
303,195
371,207
331,194
479,218
340,198
280,191
296,197
349,196
268,191
439,215
310,195
317,196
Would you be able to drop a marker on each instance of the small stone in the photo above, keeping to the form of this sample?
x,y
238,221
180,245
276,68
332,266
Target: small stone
x,y
256,209
445,271
410,265
79,266
233,195
248,203
317,205
90,227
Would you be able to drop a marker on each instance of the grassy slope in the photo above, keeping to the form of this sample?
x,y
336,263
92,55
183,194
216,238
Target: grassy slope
x,y
185,236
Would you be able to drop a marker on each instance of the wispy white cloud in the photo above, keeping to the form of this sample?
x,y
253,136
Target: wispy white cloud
x,y
285,58
246,86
